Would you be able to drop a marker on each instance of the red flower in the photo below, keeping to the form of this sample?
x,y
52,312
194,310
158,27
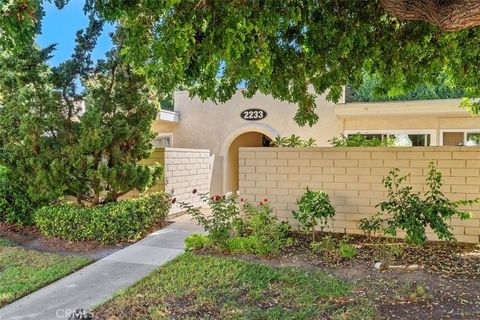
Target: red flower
x,y
174,200
261,203
217,198
265,200
194,191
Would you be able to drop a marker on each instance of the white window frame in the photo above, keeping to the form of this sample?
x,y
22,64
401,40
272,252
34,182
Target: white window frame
x,y
463,130
431,132
165,135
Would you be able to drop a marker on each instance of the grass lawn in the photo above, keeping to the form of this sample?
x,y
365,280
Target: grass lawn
x,y
23,271
208,287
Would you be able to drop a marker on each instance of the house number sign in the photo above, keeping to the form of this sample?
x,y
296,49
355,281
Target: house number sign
x,y
253,114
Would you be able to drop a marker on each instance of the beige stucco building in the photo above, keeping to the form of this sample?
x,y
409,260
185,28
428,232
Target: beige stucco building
x,y
223,129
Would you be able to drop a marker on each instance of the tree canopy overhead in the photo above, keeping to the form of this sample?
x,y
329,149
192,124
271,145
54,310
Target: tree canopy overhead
x,y
296,50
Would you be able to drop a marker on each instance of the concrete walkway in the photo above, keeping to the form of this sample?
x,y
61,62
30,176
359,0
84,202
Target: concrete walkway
x,y
98,282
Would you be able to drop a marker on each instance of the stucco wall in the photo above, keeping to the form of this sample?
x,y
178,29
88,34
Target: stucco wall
x,y
204,124
185,170
353,179
207,125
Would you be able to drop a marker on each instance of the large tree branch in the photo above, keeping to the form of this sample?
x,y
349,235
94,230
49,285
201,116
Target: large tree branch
x,y
450,15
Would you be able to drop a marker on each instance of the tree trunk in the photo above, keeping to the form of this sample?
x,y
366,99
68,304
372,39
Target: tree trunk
x,y
449,15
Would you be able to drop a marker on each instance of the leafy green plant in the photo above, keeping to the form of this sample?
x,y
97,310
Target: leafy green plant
x,y
327,246
334,249
247,244
263,226
223,222
125,220
310,142
293,141
279,141
413,213
347,250
370,226
360,140
440,88
196,242
248,228
386,250
15,204
314,209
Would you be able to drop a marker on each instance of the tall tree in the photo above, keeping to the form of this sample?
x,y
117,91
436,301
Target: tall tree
x,y
78,129
450,15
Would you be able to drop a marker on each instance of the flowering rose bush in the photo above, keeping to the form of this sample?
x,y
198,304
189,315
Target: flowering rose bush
x,y
238,226
224,220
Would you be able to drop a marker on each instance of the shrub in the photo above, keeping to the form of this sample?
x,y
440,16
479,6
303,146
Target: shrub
x,y
314,208
327,246
224,220
268,234
360,140
242,244
370,226
334,249
15,204
347,250
126,220
413,213
196,242
235,228
293,141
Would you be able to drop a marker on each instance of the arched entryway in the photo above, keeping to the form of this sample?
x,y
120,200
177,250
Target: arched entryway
x,y
253,135
248,139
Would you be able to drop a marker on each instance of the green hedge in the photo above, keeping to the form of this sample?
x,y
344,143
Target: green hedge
x,y
125,220
15,204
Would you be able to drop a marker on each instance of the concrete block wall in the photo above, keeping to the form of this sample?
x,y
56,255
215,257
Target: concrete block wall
x,y
353,179
185,170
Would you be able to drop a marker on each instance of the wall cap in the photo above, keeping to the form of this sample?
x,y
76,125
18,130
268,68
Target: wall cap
x,y
366,149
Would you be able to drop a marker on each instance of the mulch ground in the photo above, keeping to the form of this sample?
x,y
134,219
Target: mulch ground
x,y
30,237
436,281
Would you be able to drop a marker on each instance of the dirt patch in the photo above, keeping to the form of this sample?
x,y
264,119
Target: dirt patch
x,y
30,237
405,294
436,281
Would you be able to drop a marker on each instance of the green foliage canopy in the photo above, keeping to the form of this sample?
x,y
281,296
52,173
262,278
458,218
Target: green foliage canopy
x,y
367,92
293,50
361,140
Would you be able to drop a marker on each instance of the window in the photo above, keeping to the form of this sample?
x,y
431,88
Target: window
x,y
374,136
412,140
407,138
453,138
163,140
473,139
460,137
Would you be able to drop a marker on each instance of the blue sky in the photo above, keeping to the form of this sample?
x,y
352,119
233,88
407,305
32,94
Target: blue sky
x,y
60,26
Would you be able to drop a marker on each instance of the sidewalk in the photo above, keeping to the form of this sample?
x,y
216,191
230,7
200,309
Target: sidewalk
x,y
98,282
